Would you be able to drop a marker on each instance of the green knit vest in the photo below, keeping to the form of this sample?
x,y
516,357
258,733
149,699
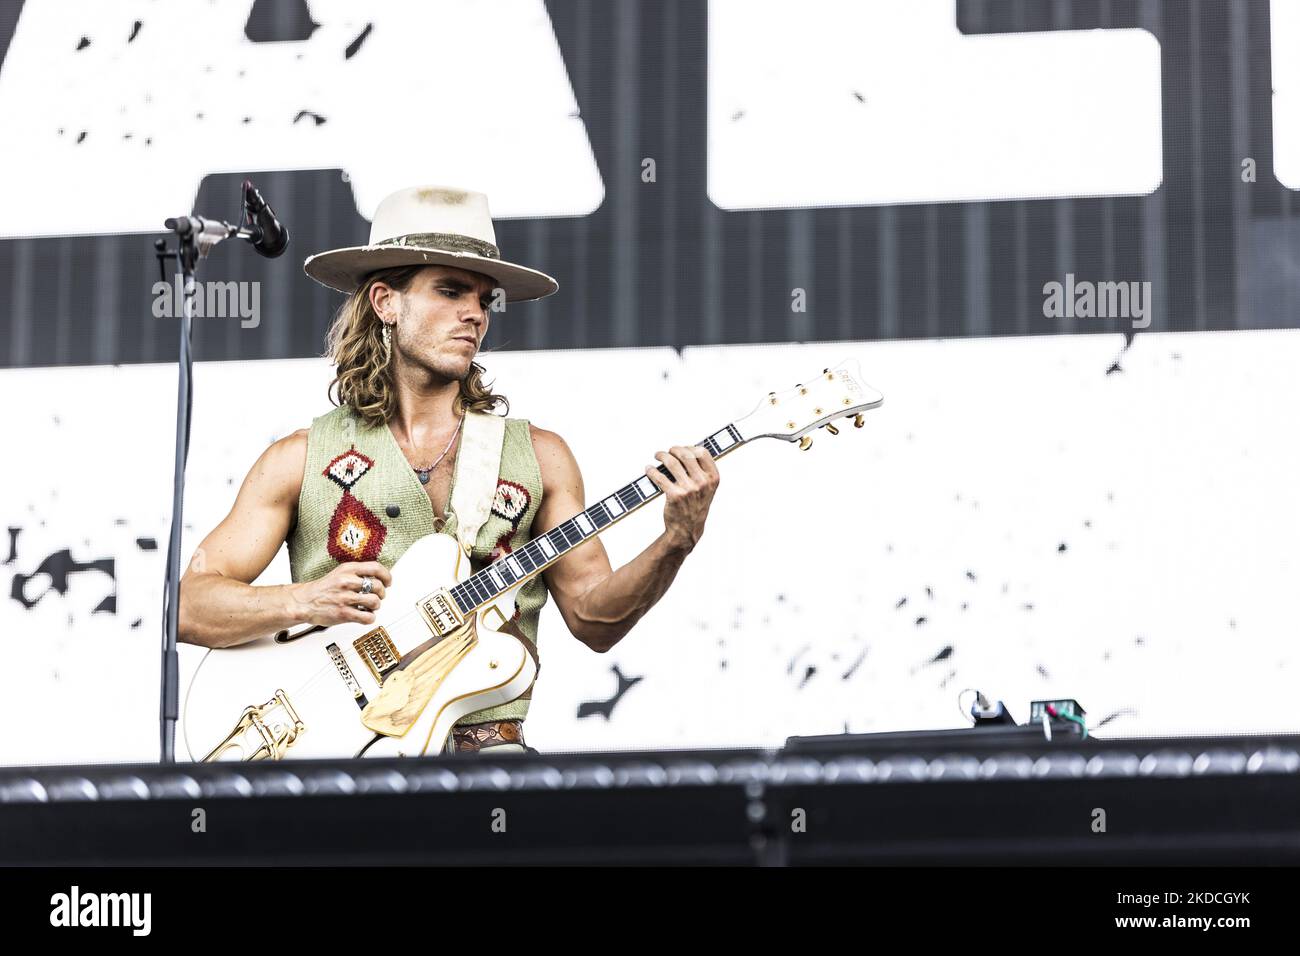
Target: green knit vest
x,y
361,501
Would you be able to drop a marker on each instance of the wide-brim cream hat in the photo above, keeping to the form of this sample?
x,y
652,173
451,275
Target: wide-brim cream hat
x,y
435,226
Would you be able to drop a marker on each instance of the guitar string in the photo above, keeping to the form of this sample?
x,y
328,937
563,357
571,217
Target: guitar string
x,y
629,496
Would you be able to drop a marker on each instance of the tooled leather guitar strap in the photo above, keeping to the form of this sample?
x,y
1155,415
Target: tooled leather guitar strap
x,y
478,465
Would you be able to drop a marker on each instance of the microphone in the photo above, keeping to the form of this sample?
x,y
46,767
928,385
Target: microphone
x,y
213,230
200,234
270,237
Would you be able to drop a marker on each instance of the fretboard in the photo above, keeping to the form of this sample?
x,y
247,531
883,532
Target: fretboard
x,y
495,579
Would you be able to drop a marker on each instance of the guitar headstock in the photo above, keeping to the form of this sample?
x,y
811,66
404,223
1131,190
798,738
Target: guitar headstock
x,y
837,392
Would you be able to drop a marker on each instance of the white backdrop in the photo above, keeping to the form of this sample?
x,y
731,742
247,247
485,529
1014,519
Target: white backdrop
x,y
854,77
1013,518
130,102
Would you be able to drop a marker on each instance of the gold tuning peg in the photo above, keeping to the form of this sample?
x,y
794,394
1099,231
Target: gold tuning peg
x,y
857,420
831,428
805,443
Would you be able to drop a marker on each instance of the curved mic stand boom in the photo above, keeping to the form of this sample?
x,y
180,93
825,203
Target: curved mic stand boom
x,y
196,237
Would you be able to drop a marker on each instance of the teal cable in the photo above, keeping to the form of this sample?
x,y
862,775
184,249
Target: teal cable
x,y
1077,720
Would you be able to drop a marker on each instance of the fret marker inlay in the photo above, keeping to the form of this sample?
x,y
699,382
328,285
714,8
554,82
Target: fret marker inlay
x,y
482,587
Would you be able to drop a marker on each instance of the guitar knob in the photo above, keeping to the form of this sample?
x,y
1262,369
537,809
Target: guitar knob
x,y
831,428
858,421
805,443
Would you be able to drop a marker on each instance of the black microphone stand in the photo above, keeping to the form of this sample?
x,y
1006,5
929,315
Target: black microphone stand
x,y
195,239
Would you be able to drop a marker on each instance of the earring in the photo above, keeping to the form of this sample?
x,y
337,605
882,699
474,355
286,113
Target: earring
x,y
388,340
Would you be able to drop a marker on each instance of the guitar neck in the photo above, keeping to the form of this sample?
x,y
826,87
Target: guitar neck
x,y
495,579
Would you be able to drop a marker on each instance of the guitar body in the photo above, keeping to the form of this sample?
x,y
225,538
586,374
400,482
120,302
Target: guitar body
x,y
394,688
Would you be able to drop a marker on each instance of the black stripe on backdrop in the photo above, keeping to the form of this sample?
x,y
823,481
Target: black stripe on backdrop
x,y
658,264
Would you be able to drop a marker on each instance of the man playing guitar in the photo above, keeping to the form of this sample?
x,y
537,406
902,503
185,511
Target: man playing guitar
x,y
403,345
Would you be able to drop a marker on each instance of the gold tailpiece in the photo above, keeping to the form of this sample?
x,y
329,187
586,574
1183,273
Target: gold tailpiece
x,y
273,741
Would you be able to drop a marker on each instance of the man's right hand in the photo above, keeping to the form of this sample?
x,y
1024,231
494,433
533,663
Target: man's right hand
x,y
337,597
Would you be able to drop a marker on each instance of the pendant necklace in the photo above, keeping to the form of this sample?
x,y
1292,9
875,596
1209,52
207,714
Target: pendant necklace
x,y
423,473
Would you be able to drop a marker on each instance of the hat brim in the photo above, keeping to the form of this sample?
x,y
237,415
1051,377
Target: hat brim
x,y
346,269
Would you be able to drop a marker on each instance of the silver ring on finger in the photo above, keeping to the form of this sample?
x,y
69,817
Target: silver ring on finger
x,y
367,584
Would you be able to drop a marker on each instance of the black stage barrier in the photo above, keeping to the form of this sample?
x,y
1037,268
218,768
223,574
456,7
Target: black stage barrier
x,y
979,796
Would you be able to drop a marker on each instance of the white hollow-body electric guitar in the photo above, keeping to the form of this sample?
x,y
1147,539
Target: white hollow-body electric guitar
x,y
396,689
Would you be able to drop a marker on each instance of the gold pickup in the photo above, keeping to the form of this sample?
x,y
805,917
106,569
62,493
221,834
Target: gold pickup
x,y
441,613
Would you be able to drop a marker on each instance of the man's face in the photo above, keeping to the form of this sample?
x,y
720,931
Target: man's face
x,y
442,319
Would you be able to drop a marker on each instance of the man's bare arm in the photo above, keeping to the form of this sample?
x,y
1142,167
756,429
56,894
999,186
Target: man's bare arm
x,y
219,606
598,604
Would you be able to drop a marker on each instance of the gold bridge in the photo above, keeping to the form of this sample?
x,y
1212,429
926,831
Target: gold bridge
x,y
378,652
253,724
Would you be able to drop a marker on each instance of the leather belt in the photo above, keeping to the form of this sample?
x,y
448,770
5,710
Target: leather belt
x,y
493,733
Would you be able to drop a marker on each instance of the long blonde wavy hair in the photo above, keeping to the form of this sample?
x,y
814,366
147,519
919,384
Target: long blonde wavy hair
x,y
363,374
